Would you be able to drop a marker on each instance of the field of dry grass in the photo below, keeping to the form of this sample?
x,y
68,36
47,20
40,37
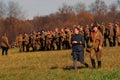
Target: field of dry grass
x,y
57,65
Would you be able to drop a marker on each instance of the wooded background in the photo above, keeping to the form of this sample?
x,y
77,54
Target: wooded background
x,y
13,21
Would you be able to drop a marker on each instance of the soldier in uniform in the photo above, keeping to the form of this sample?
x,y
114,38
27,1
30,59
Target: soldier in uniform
x,y
96,49
117,29
81,30
42,40
23,43
34,41
106,36
4,44
19,40
68,38
102,30
114,35
111,34
48,40
62,39
78,42
30,40
38,44
26,40
56,37
88,38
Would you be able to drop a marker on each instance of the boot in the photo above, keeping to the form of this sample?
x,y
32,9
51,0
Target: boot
x,y
99,64
110,44
86,65
118,43
93,63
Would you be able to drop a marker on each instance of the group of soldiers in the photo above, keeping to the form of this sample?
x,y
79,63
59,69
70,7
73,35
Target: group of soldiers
x,y
42,41
61,39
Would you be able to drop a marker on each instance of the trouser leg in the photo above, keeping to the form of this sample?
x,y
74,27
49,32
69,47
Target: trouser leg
x,y
75,64
3,50
99,55
6,51
93,63
92,56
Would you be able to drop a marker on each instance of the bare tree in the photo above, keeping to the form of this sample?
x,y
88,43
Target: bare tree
x,y
98,7
79,7
14,10
2,10
99,10
118,2
66,9
113,12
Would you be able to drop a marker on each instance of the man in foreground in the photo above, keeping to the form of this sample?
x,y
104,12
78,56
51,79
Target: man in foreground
x,y
78,43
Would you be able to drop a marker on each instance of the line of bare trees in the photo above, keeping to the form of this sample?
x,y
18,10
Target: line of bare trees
x,y
13,22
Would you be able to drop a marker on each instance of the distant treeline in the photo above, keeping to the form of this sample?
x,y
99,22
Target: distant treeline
x,y
13,22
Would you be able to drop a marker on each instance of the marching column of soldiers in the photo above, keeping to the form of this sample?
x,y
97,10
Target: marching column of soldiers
x,y
61,39
42,41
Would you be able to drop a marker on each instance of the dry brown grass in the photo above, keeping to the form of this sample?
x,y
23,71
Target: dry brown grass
x,y
57,65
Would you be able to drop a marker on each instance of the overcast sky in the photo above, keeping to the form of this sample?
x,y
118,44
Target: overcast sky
x,y
46,7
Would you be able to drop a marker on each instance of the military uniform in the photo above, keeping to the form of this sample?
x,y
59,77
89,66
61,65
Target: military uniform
x,y
34,47
82,31
38,44
48,41
102,30
4,45
68,40
111,35
42,41
62,40
23,43
26,42
97,40
57,40
106,36
88,39
117,28
19,40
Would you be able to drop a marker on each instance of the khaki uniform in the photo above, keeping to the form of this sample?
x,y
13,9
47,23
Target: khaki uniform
x,y
19,40
48,41
4,42
42,41
33,41
62,40
4,45
26,40
97,41
111,35
118,34
82,33
88,38
94,50
68,40
38,43
56,41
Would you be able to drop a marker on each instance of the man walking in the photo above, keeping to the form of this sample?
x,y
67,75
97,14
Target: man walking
x,y
78,42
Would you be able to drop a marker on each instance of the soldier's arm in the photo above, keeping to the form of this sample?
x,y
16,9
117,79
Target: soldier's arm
x,y
101,39
7,42
83,41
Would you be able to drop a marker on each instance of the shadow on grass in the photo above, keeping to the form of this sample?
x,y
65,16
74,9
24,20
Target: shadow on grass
x,y
72,68
67,67
54,67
